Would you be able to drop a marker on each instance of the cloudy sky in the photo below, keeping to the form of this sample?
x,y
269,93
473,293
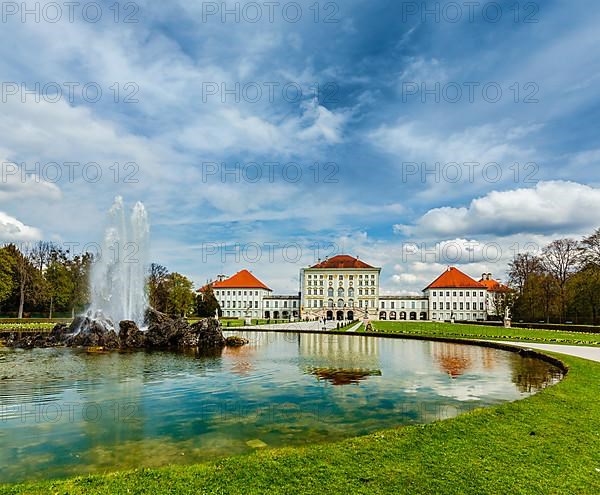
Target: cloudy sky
x,y
412,134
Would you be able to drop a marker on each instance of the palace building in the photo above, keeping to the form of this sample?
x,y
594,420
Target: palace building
x,y
346,288
339,288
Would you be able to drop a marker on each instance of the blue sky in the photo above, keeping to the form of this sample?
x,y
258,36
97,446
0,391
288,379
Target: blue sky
x,y
370,130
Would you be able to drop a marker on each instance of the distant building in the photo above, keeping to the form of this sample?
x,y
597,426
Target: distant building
x,y
244,295
403,308
241,295
496,296
281,307
456,295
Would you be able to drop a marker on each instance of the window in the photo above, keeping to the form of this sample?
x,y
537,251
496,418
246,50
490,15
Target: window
x,y
481,306
351,277
481,294
462,306
256,304
433,293
447,306
320,292
448,293
453,305
460,294
382,304
468,305
341,277
330,277
392,304
245,293
341,292
434,306
350,292
360,292
256,293
330,292
454,293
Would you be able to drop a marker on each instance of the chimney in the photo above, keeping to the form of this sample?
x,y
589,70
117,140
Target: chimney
x,y
483,276
489,275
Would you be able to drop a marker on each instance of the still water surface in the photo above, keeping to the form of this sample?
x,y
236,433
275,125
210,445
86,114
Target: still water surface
x,y
65,412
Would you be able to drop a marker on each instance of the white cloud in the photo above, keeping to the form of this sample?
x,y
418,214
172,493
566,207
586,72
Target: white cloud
x,y
12,229
16,183
553,206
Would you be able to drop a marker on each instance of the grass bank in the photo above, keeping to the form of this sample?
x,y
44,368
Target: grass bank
x,y
548,443
457,330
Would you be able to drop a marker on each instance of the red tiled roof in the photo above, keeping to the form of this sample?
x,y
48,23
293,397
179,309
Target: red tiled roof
x,y
494,286
241,280
454,278
342,261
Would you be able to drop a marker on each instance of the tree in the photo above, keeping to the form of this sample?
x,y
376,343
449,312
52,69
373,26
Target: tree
x,y
180,298
157,287
521,274
521,268
589,250
7,275
60,286
584,294
24,276
79,272
560,259
206,303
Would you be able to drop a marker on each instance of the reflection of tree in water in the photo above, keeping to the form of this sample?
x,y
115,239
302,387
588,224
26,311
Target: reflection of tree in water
x,y
343,376
532,374
454,360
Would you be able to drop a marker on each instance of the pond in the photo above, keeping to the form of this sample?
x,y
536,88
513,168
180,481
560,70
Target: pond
x,y
65,412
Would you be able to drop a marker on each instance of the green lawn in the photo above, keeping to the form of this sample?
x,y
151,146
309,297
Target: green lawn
x,y
26,327
456,330
548,443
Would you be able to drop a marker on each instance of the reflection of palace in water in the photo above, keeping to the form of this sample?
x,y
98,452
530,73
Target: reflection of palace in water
x,y
456,359
333,346
339,353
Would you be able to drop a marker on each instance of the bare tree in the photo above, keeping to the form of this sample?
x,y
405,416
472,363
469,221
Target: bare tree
x,y
589,251
561,258
41,254
521,269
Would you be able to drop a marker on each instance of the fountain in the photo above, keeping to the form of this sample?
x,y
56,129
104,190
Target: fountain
x,y
119,316
117,283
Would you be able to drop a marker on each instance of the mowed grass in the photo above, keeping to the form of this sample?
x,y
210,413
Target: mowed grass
x,y
26,327
457,330
546,444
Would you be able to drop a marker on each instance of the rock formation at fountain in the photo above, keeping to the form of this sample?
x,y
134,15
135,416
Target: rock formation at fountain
x,y
164,332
